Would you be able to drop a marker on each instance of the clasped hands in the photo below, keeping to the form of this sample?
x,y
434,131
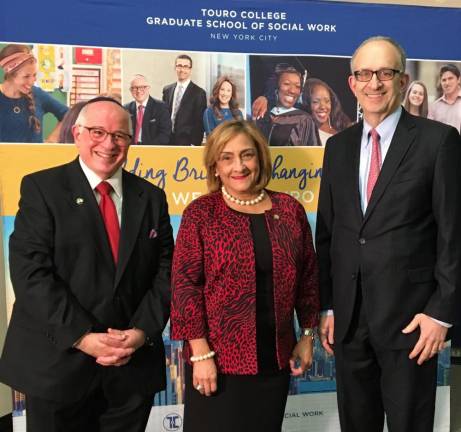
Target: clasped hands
x,y
431,339
113,348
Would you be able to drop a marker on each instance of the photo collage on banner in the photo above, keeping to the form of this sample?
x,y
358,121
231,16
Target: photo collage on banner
x,y
297,100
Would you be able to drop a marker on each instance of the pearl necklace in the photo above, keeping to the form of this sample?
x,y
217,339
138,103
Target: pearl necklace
x,y
231,198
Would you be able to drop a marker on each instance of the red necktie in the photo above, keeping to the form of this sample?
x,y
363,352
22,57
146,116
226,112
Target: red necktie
x,y
375,163
139,118
109,215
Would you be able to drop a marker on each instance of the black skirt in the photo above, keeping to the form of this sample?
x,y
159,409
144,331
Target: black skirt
x,y
243,403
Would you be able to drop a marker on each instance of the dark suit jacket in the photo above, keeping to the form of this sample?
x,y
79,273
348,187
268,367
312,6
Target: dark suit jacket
x,y
66,284
156,123
406,247
188,127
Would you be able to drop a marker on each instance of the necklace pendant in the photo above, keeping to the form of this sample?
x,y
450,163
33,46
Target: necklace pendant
x,y
16,109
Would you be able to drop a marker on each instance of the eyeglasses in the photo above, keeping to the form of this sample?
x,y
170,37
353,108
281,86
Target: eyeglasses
x,y
384,74
138,88
181,66
98,135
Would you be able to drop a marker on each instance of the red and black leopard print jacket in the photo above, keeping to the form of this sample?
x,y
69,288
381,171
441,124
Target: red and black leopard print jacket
x,y
214,280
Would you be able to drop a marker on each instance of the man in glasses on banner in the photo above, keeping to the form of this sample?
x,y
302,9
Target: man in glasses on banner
x,y
186,102
150,117
389,242
90,263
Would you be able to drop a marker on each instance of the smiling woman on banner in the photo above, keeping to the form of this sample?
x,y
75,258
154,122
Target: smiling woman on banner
x,y
324,106
243,262
23,105
286,125
415,101
223,105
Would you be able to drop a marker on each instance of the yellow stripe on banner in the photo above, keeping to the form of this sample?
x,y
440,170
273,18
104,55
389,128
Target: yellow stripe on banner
x,y
178,170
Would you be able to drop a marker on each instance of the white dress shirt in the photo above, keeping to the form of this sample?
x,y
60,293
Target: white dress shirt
x,y
115,181
184,85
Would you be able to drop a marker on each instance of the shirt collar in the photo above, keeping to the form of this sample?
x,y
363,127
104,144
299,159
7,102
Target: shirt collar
x,y
183,84
115,181
386,128
445,99
144,103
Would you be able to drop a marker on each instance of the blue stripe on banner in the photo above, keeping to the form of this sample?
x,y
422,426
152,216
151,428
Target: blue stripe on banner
x,y
292,27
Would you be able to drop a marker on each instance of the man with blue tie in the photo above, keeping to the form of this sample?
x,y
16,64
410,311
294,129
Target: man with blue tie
x,y
186,102
388,242
90,260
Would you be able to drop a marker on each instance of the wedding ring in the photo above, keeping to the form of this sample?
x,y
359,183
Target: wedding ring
x,y
198,387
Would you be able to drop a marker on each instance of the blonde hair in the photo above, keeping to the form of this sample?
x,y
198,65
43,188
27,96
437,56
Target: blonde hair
x,y
218,139
8,50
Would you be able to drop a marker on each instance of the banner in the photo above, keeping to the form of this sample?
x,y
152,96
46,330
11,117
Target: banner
x,y
104,47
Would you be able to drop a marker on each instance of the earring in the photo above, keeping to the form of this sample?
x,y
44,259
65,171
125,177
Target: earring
x,y
216,174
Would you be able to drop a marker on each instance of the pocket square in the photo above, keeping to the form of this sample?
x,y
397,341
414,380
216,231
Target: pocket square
x,y
152,233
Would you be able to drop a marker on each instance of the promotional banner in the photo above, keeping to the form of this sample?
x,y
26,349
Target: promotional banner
x,y
126,49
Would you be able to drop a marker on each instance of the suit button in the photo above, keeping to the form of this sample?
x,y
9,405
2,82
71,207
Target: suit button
x,y
354,276
362,241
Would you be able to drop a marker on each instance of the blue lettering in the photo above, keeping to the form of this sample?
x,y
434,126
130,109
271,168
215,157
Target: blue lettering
x,y
303,174
183,172
158,177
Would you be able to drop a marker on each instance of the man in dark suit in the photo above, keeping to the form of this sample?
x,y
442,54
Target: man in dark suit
x,y
150,117
186,102
388,241
85,337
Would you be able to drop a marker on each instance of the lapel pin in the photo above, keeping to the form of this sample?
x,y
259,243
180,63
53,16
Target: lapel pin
x,y
79,201
276,217
152,233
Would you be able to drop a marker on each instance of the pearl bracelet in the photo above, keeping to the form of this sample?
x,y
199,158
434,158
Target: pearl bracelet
x,y
206,356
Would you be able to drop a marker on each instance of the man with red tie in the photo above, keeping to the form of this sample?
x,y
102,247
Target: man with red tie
x,y
388,241
150,117
90,263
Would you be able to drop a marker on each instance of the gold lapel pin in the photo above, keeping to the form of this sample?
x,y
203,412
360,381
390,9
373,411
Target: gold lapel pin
x,y
79,201
276,217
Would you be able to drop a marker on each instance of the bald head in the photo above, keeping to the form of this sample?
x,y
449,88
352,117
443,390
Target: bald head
x,y
110,109
400,52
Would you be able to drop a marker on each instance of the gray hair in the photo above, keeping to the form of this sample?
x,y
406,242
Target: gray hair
x,y
137,76
395,44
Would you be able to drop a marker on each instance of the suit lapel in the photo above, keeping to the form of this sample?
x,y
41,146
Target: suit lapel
x,y
171,96
404,136
133,209
81,197
147,113
355,143
133,113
